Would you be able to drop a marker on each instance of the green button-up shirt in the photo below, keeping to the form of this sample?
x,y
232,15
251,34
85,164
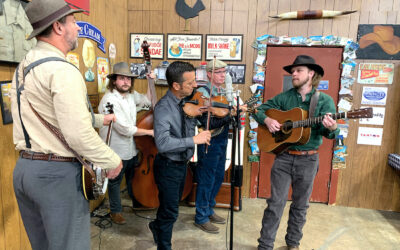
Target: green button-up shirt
x,y
292,99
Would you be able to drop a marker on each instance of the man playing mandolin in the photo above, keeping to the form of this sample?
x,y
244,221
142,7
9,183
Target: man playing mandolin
x,y
299,164
126,103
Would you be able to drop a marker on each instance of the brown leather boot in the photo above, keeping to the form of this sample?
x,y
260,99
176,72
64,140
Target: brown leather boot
x,y
208,227
117,218
217,219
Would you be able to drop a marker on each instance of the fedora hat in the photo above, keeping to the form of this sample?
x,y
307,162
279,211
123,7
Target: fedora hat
x,y
384,36
43,13
122,69
304,60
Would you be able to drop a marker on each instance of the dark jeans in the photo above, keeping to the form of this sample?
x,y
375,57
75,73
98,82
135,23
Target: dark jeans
x,y
53,208
298,171
128,168
209,174
170,179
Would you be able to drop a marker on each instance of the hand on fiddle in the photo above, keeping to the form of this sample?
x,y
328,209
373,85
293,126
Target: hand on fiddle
x,y
272,125
113,173
202,138
108,118
150,132
328,122
242,108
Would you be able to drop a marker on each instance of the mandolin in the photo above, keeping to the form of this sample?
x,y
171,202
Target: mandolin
x,y
296,129
94,182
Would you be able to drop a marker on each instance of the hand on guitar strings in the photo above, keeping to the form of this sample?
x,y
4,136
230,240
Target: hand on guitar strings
x,y
328,122
108,118
113,173
272,125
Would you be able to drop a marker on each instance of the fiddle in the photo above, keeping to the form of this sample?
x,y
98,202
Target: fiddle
x,y
198,104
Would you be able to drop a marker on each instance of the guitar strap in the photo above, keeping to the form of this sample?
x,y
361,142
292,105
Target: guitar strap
x,y
313,104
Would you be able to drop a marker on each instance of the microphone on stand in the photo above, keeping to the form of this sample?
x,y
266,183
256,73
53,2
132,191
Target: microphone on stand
x,y
229,89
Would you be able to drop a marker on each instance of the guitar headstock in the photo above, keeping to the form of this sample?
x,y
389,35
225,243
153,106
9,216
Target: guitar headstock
x,y
360,113
109,108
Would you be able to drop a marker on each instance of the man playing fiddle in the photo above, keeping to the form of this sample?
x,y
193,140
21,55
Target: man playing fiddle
x,y
210,170
174,135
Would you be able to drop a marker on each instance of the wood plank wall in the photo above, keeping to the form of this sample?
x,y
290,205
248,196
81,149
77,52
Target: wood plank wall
x,y
366,182
110,16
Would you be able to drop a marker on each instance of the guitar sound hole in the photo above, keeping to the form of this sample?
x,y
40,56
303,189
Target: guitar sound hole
x,y
281,136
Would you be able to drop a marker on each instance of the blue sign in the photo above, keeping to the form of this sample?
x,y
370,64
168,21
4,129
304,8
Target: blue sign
x,y
91,32
323,85
374,95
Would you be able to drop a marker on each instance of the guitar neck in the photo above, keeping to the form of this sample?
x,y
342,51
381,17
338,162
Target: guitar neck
x,y
315,120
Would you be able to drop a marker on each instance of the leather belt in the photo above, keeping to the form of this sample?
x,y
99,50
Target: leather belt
x,y
45,157
309,152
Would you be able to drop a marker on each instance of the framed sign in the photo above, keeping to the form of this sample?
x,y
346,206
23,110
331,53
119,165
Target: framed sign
x,y
224,47
184,46
156,42
5,102
237,72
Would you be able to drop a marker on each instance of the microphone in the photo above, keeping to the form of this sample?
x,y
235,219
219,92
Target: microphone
x,y
229,88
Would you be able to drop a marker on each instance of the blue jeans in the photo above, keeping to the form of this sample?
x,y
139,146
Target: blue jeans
x,y
170,178
114,190
298,171
209,175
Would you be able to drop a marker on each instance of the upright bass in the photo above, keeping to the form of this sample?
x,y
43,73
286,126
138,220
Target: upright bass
x,y
144,186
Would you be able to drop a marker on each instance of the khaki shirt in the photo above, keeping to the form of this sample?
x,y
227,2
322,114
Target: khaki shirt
x,y
57,92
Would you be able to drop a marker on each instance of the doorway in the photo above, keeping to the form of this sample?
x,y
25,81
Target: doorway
x,y
276,81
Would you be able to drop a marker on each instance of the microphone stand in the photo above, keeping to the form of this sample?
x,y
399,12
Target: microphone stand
x,y
235,168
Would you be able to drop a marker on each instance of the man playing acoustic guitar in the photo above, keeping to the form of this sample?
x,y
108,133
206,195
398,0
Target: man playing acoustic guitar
x,y
299,164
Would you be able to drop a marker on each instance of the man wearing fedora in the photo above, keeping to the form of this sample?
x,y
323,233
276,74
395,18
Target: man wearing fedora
x,y
298,165
47,177
125,103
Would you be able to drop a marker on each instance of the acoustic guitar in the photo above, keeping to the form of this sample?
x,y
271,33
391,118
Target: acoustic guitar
x,y
296,128
95,182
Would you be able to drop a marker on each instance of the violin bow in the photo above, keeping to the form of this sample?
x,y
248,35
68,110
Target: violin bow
x,y
209,99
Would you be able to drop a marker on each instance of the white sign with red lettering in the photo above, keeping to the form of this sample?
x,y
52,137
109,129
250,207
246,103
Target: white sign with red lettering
x,y
370,136
155,41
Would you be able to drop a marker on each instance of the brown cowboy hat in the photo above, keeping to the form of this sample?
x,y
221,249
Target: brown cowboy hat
x,y
43,13
304,60
384,36
122,69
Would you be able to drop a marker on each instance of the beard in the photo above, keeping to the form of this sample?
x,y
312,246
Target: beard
x,y
300,84
122,90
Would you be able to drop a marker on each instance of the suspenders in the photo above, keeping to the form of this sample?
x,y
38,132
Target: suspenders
x,y
21,88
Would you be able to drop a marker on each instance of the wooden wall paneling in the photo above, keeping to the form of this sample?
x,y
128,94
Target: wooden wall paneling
x,y
272,22
135,5
282,27
378,17
385,5
298,27
240,5
228,22
327,30
396,5
228,5
369,5
354,19
217,22
135,21
217,5
341,24
262,17
364,17
316,27
392,17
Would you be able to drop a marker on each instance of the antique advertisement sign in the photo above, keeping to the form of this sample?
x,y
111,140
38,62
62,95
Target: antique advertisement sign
x,y
102,72
90,31
378,117
374,95
182,46
73,58
370,136
155,41
224,47
375,73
